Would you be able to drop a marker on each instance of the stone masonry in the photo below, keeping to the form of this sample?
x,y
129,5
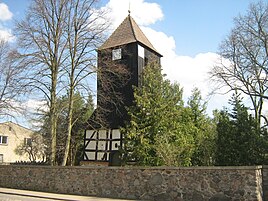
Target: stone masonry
x,y
159,184
265,182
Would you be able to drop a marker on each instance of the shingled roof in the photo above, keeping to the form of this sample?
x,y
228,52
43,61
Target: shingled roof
x,y
127,32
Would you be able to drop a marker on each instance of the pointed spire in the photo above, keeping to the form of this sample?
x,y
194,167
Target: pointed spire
x,y
127,32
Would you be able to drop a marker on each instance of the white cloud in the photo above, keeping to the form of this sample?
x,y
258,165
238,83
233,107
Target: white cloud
x,y
189,72
35,105
5,14
24,112
28,106
6,34
139,11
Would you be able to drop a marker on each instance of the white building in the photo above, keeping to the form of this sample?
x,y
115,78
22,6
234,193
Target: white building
x,y
11,136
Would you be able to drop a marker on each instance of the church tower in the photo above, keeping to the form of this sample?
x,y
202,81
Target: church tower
x,y
121,60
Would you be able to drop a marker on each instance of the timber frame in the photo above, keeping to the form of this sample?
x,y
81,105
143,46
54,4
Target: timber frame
x,y
101,145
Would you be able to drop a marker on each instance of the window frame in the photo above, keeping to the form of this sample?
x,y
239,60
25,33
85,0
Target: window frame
x,y
3,140
28,141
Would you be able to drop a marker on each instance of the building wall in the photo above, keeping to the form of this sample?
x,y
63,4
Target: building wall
x,y
163,183
15,136
115,90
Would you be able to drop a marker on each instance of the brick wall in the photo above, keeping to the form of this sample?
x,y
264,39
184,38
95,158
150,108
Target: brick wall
x,y
162,183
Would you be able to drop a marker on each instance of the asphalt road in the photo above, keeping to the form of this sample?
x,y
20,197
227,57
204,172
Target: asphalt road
x,y
7,194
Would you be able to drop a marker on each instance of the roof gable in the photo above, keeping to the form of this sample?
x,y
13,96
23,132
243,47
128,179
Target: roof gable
x,y
127,32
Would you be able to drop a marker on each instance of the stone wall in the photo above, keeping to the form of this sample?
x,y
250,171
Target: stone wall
x,y
265,182
163,184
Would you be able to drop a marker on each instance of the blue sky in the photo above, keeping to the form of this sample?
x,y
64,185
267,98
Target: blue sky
x,y
186,32
197,26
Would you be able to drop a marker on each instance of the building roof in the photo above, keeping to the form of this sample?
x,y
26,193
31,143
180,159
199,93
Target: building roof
x,y
127,32
14,125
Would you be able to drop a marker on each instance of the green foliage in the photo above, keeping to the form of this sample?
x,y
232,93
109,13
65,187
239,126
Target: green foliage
x,y
81,113
240,140
158,132
203,130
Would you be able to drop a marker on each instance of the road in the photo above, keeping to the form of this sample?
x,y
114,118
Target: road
x,y
7,194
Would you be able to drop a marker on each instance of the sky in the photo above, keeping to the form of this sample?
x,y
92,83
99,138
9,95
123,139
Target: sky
x,y
186,32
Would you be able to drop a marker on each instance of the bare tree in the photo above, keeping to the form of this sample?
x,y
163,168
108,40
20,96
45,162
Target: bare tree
x,y
41,38
113,79
244,65
34,147
11,82
59,39
84,33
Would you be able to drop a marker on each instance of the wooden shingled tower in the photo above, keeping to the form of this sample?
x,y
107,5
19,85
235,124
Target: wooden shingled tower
x,y
128,51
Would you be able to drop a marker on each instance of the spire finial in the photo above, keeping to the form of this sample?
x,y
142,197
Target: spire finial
x,y
129,8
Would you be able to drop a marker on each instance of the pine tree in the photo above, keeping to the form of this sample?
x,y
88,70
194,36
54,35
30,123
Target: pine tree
x,y
157,133
204,130
240,139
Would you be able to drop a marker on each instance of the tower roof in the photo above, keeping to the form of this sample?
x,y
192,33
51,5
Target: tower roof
x,y
127,32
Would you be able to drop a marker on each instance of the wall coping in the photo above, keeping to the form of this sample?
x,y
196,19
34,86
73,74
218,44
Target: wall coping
x,y
144,168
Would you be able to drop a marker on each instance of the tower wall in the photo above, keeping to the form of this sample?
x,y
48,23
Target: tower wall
x,y
121,60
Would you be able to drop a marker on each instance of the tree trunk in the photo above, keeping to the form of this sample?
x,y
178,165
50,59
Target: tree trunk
x,y
53,119
69,131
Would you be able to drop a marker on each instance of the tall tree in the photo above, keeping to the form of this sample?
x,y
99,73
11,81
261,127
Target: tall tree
x,y
157,133
204,130
81,112
12,85
58,38
84,35
239,141
40,34
245,57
